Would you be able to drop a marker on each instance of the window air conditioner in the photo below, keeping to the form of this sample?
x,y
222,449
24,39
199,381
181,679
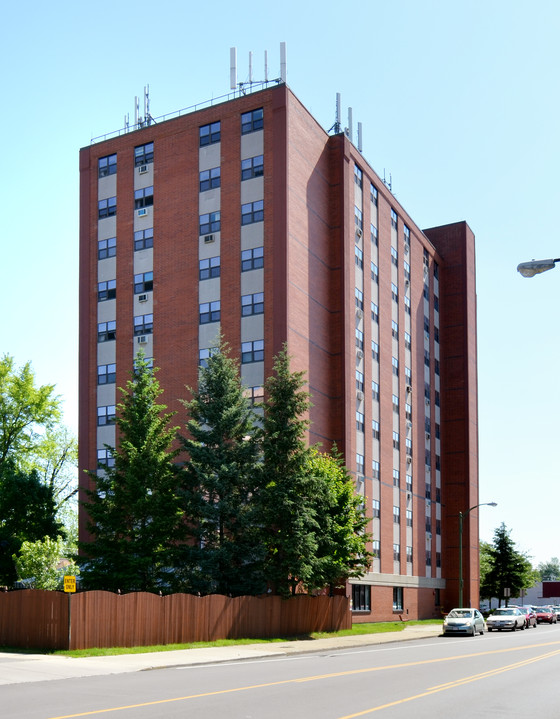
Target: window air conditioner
x,y
142,340
142,298
142,212
360,354
408,388
143,169
358,232
208,239
409,460
427,435
359,314
360,395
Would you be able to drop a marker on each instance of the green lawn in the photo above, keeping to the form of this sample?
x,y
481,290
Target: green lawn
x,y
371,628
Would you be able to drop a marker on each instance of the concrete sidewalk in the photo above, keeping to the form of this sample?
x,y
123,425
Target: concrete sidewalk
x,y
21,668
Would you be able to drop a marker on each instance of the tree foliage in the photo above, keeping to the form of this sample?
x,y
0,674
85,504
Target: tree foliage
x,y
507,568
39,563
134,510
24,410
27,513
219,483
549,571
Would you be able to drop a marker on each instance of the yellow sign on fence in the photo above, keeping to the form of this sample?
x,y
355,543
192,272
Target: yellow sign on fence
x,y
69,583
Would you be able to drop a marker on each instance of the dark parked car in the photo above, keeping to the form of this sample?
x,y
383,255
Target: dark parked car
x,y
530,616
545,614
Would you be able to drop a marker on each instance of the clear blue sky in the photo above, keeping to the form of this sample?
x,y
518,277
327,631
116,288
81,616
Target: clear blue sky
x,y
459,102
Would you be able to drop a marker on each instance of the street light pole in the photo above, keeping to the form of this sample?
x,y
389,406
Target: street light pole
x,y
461,516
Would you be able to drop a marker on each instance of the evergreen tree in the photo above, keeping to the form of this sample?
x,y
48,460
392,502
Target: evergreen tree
x,y
508,568
134,510
342,548
219,484
289,490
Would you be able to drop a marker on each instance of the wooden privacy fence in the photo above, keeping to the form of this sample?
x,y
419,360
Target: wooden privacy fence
x,y
39,619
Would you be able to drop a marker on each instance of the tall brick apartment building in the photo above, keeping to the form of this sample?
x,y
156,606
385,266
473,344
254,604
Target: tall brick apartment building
x,y
247,217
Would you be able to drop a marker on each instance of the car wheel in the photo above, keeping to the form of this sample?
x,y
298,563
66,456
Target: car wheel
x,y
514,627
523,625
482,630
489,629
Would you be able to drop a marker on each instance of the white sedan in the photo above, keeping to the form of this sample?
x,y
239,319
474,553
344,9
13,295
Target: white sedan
x,y
463,621
506,618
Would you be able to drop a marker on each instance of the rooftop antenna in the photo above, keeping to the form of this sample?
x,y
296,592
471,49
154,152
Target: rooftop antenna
x,y
233,68
241,86
137,121
127,122
359,137
390,183
348,131
283,62
337,127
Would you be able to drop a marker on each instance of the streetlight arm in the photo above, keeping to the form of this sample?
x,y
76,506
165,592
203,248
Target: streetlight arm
x,y
535,267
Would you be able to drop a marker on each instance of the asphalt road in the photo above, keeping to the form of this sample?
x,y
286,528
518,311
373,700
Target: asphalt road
x,y
501,674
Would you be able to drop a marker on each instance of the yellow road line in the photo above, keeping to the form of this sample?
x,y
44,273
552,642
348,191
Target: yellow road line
x,y
333,675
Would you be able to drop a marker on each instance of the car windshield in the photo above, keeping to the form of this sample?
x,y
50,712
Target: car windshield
x,y
501,612
460,613
542,610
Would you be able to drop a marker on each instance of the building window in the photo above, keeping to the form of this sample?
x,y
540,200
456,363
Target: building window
x,y
376,509
209,134
359,339
106,373
144,154
205,354
252,167
436,334
438,559
209,222
409,517
373,194
437,431
428,458
407,304
375,351
360,422
394,219
428,525
396,478
397,558
143,325
395,364
408,449
209,312
375,548
436,366
375,391
427,358
107,207
409,554
359,381
438,495
358,176
394,292
428,491
375,428
143,282
252,121
397,591
105,415
209,179
106,290
406,270
408,411
438,526
107,166
255,395
252,351
407,341
395,329
374,312
252,259
359,258
358,220
360,464
374,273
144,239
395,403
361,598
105,458
107,331
374,234
406,232
426,293
428,558
436,398
375,469
209,268
107,248
408,376
143,197
359,298
252,304
409,483
252,212
396,440
396,515
394,257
